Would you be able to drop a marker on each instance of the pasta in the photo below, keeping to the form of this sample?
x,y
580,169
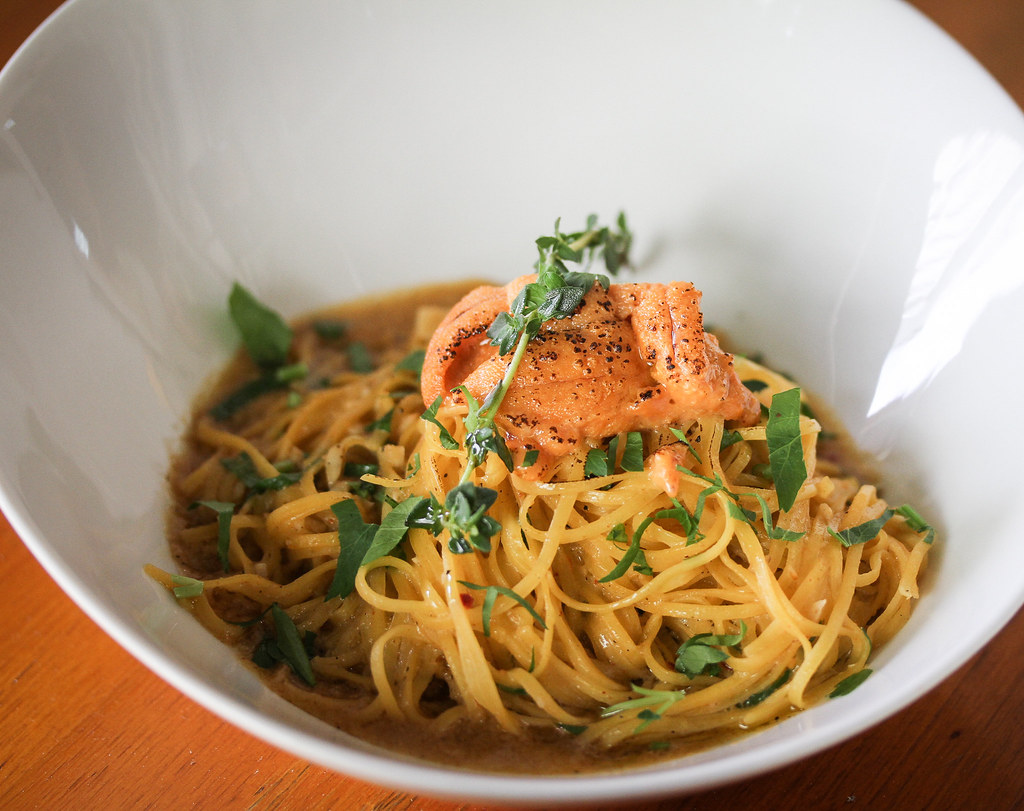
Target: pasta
x,y
616,614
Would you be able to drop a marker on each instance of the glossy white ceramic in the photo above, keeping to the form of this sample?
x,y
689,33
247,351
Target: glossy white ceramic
x,y
845,184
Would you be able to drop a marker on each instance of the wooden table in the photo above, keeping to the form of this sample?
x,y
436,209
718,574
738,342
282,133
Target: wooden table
x,y
86,726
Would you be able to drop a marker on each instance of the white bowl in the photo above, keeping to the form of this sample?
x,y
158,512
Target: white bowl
x,y
843,182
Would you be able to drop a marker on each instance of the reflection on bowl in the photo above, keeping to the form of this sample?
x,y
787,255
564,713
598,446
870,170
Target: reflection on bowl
x,y
843,183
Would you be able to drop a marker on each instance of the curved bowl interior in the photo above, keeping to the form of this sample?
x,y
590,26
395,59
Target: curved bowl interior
x,y
844,184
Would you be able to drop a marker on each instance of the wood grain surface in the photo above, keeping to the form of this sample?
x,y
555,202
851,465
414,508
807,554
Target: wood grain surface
x,y
85,726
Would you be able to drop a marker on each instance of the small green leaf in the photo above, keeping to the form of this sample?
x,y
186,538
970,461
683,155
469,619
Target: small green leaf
x,y
359,357
757,698
700,654
681,436
186,586
775,533
530,457
631,553
224,510
491,594
730,437
916,522
355,537
850,683
291,645
430,415
330,329
391,531
633,453
266,336
381,424
413,362
596,464
244,468
785,447
862,533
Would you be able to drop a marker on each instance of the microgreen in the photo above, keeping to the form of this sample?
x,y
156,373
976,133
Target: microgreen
x,y
862,533
491,594
701,654
850,683
530,457
785,447
634,554
730,437
287,645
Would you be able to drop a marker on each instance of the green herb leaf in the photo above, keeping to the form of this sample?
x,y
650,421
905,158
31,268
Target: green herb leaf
x,y
391,531
186,586
482,437
757,698
224,510
850,683
491,594
596,464
465,519
359,357
430,415
701,654
862,533
633,454
530,457
916,522
730,437
631,553
355,537
681,436
266,336
288,646
652,704
785,448
245,469
775,533
381,424
330,329
413,362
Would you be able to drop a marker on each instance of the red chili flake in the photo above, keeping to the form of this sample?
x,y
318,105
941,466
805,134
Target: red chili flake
x,y
467,599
